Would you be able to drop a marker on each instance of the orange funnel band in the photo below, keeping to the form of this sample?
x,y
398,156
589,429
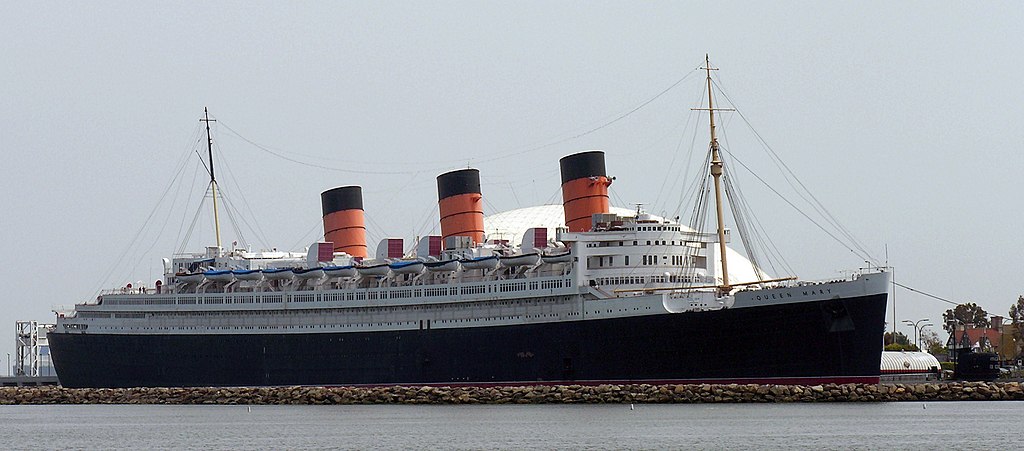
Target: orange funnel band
x,y
462,215
343,220
347,231
582,198
461,204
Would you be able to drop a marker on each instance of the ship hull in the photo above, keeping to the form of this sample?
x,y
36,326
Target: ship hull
x,y
835,340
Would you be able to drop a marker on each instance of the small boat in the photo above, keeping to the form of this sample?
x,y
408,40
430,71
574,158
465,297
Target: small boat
x,y
340,271
407,267
308,273
564,257
219,275
190,277
442,266
376,270
511,261
278,273
489,262
247,274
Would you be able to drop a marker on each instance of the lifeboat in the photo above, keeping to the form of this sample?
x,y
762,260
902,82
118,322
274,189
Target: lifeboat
x,y
407,267
277,273
340,271
564,257
190,277
308,273
377,270
511,261
247,274
219,275
490,262
445,266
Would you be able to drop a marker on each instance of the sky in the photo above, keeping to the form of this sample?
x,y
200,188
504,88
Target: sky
x,y
902,118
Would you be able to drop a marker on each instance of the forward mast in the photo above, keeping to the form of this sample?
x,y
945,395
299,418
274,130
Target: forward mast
x,y
716,171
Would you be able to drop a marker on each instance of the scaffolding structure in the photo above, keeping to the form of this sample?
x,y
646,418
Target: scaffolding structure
x,y
26,348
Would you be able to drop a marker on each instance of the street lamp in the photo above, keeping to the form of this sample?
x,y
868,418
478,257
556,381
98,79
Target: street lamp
x,y
915,324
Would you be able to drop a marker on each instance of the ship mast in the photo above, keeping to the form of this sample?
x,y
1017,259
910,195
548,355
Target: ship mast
x,y
716,172
213,179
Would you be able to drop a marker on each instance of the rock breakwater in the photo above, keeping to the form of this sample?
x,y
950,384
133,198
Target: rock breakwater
x,y
562,394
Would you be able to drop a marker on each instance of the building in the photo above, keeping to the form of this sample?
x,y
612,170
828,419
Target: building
x,y
997,339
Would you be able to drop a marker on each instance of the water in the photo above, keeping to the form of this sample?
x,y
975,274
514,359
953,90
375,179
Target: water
x,y
909,425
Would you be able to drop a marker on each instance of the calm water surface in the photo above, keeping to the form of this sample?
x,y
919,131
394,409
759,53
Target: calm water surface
x,y
946,425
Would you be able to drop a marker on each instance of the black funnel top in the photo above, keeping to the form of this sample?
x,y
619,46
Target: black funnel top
x,y
462,181
342,198
583,164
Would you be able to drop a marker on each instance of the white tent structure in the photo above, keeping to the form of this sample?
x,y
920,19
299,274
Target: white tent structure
x,y
909,366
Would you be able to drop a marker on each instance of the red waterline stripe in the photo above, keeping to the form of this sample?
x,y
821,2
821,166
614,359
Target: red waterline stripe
x,y
815,380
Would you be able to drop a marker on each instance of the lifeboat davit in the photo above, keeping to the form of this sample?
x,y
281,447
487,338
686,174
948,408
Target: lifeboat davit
x,y
407,267
490,262
511,261
564,257
445,266
190,277
219,275
308,273
377,270
277,273
340,271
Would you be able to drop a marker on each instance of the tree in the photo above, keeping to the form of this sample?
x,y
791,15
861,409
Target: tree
x,y
899,342
965,314
1017,317
930,341
901,339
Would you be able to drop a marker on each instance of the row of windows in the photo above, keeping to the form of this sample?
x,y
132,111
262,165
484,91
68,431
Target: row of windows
x,y
658,229
462,306
350,325
638,280
349,296
645,260
637,243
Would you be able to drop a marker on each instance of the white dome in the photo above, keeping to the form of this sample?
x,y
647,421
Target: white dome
x,y
511,225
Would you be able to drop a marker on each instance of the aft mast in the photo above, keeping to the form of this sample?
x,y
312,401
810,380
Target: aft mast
x,y
213,178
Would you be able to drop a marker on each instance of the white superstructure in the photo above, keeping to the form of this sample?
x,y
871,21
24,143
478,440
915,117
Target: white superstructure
x,y
627,266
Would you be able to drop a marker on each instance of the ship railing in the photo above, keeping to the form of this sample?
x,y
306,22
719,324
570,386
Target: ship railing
x,y
845,276
64,311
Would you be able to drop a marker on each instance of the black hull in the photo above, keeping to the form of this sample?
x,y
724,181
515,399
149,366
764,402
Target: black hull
x,y
811,342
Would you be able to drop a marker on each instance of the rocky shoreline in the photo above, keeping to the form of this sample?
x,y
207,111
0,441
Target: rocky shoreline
x,y
565,394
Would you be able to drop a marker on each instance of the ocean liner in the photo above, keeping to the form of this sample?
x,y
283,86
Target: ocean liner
x,y
607,295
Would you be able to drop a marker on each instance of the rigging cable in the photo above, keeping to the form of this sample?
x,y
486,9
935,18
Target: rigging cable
x,y
190,189
314,165
149,217
798,210
254,225
816,204
501,155
753,233
926,294
592,130
675,153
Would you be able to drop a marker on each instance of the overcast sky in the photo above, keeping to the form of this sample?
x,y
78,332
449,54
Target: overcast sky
x,y
903,118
